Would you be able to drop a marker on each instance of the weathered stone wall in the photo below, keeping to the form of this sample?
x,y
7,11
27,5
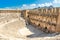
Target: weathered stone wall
x,y
45,18
10,11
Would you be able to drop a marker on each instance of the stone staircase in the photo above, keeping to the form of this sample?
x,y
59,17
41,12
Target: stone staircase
x,y
10,24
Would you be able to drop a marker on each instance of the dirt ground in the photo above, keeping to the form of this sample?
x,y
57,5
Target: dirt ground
x,y
16,29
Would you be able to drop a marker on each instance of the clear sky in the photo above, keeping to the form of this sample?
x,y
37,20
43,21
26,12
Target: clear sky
x,y
28,4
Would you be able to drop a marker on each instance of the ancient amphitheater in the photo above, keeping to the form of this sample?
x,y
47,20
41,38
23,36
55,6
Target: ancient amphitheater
x,y
13,27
